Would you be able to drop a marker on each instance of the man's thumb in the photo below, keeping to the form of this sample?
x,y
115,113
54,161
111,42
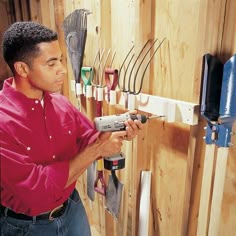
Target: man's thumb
x,y
104,136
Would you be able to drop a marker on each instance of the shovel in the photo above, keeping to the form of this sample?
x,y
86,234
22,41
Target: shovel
x,y
226,120
114,195
218,133
210,102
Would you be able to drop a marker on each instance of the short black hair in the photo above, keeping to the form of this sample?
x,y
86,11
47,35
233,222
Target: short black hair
x,y
21,39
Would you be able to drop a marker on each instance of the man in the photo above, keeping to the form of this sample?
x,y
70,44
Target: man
x,y
45,142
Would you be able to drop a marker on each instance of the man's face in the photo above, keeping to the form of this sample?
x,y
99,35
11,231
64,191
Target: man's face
x,y
47,72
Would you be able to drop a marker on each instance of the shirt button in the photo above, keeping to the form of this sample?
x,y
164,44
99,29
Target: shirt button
x,y
32,108
69,132
28,148
50,137
53,157
36,101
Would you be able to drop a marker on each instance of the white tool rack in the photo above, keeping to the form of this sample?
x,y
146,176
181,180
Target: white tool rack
x,y
172,110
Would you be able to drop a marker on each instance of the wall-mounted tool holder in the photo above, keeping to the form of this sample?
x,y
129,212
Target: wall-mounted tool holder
x,y
173,110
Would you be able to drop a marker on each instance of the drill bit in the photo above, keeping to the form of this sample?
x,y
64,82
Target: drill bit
x,y
154,117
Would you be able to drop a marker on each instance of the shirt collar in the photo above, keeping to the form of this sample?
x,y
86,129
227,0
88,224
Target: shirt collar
x,y
18,97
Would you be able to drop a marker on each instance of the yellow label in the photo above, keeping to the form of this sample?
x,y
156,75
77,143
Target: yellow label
x,y
100,164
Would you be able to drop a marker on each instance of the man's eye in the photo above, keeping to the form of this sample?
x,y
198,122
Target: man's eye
x,y
51,64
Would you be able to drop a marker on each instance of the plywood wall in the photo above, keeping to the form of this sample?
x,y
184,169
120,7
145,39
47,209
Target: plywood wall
x,y
173,152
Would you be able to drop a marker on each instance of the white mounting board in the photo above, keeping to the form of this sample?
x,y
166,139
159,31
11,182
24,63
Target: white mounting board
x,y
173,110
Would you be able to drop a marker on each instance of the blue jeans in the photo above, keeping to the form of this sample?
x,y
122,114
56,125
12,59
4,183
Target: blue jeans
x,y
73,222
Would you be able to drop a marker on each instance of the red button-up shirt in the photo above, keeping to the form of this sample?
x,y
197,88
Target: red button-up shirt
x,y
36,144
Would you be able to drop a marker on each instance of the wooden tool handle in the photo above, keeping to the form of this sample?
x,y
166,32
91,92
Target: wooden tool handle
x,y
218,190
206,190
90,108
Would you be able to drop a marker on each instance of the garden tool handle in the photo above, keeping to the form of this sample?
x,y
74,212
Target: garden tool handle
x,y
205,197
100,164
84,72
108,72
100,178
218,190
111,85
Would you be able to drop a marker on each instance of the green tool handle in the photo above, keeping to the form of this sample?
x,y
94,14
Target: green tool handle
x,y
86,75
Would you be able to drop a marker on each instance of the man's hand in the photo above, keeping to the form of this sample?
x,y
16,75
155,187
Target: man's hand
x,y
132,127
109,143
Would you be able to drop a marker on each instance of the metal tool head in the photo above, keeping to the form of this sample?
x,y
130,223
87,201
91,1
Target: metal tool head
x,y
222,95
227,104
113,195
228,92
75,32
90,181
211,87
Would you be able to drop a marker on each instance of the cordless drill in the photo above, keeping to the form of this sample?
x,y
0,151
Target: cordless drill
x,y
117,123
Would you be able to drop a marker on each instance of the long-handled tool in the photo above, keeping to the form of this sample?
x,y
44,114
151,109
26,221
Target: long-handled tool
x,y
219,95
99,184
129,87
75,30
86,75
223,141
210,101
93,181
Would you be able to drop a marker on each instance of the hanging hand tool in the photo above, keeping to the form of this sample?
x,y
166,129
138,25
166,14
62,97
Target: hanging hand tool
x,y
210,101
99,185
223,140
111,83
75,30
218,97
125,86
87,75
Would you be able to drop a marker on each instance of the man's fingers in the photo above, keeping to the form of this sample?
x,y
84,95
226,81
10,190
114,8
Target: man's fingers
x,y
104,136
119,134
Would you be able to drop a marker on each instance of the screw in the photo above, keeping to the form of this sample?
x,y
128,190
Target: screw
x,y
205,128
230,144
232,133
214,128
204,137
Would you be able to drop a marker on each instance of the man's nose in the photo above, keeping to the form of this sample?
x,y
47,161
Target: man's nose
x,y
63,69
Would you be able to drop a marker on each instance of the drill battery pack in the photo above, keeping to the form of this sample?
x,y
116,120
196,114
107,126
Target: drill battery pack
x,y
115,162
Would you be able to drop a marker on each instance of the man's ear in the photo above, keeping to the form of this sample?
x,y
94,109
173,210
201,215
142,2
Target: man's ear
x,y
21,68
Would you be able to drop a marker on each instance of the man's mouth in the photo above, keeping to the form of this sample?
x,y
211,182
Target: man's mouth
x,y
59,81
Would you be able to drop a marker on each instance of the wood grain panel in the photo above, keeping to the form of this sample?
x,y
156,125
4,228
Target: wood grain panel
x,y
171,151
